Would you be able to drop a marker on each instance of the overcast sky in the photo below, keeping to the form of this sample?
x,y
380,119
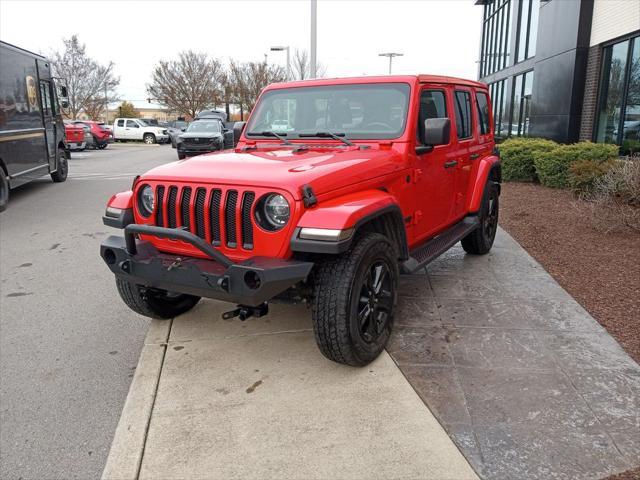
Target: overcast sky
x,y
435,36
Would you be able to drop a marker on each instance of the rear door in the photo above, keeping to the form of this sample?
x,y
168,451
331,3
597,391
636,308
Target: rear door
x,y
466,140
434,175
132,130
118,129
48,117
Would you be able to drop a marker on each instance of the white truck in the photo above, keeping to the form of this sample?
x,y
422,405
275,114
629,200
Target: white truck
x,y
136,129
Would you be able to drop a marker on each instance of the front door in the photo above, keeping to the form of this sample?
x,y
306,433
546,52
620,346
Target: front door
x,y
131,130
435,172
49,119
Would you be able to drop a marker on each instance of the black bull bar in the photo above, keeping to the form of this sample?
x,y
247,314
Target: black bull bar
x,y
250,282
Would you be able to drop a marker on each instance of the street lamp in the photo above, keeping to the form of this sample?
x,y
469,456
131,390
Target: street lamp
x,y
282,49
390,55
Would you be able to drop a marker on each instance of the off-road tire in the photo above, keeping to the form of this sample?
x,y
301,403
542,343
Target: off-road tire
x,y
149,138
62,169
4,190
481,239
338,283
154,303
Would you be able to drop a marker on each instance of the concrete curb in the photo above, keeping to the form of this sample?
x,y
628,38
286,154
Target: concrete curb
x,y
125,455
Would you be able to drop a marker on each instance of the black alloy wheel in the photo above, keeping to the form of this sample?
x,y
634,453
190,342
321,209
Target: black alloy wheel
x,y
375,302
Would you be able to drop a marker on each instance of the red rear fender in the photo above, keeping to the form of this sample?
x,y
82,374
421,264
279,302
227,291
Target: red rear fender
x,y
484,168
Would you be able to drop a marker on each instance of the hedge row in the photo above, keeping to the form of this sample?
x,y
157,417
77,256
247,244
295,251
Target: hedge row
x,y
554,165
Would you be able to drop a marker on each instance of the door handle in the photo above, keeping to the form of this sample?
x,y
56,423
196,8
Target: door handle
x,y
474,156
450,164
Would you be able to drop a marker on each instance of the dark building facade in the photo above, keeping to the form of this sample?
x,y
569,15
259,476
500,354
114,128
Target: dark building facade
x,y
567,70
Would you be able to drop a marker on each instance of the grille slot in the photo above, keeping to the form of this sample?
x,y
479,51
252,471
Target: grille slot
x,y
201,193
171,207
184,207
230,218
247,225
214,216
160,206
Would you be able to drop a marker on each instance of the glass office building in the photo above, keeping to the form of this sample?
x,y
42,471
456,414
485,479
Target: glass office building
x,y
563,69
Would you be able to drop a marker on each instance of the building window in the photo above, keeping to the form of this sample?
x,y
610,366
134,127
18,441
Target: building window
x,y
619,107
498,91
521,104
496,35
528,28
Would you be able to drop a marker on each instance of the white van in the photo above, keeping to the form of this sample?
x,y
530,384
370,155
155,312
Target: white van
x,y
136,129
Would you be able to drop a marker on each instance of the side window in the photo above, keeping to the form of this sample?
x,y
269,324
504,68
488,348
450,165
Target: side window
x,y
482,104
46,98
121,123
463,114
433,104
132,124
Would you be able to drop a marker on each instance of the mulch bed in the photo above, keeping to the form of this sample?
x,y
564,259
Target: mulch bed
x,y
601,271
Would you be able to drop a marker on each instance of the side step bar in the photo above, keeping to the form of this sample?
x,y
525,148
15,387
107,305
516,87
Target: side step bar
x,y
433,248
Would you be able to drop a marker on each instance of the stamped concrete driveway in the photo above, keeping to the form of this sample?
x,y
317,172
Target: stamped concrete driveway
x,y
523,379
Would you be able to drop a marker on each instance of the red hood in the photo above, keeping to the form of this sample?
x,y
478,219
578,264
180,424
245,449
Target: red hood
x,y
324,169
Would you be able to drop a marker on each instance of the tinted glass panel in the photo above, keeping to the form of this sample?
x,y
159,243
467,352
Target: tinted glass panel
x,y
121,123
482,105
631,128
615,64
433,104
46,98
463,114
131,123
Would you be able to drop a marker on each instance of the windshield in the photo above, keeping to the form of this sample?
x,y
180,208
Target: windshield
x,y
142,123
205,127
180,124
359,111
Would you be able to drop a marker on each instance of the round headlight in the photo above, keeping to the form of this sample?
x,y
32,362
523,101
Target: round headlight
x,y
146,200
272,212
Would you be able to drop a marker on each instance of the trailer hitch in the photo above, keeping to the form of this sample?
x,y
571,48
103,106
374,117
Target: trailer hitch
x,y
244,312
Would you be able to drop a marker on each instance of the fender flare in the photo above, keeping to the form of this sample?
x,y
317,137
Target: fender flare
x,y
119,212
485,168
351,211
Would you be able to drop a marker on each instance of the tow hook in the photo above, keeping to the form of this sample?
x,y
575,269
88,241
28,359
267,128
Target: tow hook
x,y
244,312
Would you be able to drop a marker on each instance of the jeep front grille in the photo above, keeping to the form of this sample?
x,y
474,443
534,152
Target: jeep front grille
x,y
219,208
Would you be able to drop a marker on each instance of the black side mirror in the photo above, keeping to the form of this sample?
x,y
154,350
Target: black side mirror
x,y
238,128
183,129
437,131
63,91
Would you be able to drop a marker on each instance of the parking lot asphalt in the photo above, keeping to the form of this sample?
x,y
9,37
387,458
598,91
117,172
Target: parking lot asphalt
x,y
68,346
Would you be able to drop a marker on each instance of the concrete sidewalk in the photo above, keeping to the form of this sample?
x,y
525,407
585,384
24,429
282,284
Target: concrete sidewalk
x,y
258,400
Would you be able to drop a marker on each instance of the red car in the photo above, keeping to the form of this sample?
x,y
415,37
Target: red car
x,y
334,188
102,136
74,136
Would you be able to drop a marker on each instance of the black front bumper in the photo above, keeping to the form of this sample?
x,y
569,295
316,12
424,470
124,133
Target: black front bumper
x,y
251,282
197,149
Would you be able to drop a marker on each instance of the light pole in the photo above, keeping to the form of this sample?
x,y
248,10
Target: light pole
x,y
282,49
390,55
314,36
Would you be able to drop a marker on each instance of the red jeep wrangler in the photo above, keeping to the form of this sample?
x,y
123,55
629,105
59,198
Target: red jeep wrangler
x,y
334,188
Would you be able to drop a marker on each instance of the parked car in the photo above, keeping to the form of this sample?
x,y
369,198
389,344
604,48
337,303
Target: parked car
x,y
74,137
175,128
134,129
203,136
101,135
87,138
378,175
32,135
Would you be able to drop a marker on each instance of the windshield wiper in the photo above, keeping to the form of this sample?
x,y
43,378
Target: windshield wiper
x,y
269,133
335,136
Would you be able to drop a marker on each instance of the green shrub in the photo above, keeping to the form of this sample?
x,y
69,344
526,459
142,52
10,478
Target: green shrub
x,y
630,147
552,167
517,156
584,173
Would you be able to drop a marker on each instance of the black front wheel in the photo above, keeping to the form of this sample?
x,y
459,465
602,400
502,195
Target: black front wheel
x,y
354,301
154,303
4,190
62,170
481,239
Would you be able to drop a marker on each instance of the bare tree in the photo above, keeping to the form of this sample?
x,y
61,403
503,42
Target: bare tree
x,y
188,85
86,79
246,81
301,66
